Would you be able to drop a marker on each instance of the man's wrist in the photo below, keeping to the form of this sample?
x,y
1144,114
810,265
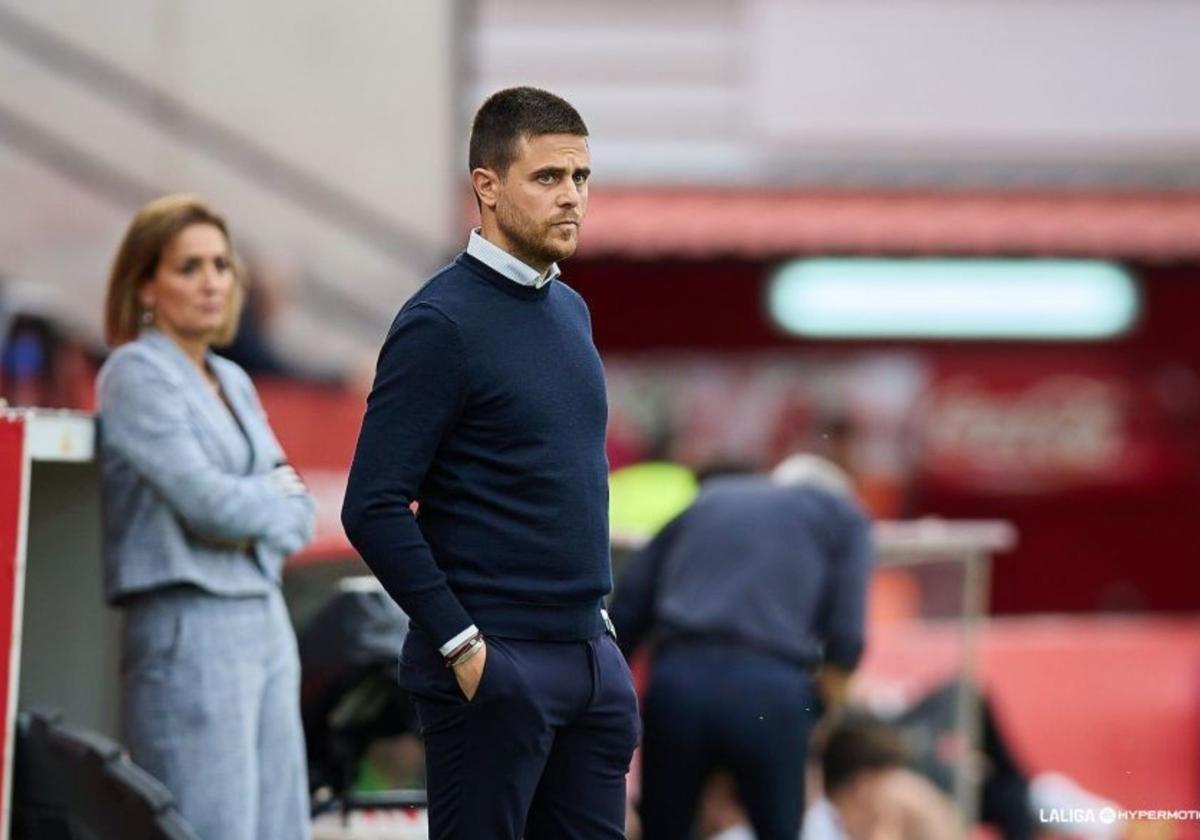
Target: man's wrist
x,y
462,646
465,651
458,640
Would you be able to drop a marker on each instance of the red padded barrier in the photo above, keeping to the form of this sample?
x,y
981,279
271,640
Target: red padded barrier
x,y
1113,702
12,492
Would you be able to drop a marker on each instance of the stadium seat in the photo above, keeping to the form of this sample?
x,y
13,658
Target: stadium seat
x,y
72,784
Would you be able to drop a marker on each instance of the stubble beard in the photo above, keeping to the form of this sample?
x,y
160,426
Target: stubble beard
x,y
532,243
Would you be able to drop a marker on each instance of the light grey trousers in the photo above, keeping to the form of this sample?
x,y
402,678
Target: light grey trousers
x,y
210,706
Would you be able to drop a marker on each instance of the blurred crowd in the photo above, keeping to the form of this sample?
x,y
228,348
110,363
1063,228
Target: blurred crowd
x,y
41,364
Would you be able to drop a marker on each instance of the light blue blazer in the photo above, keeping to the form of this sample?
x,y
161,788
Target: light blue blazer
x,y
186,492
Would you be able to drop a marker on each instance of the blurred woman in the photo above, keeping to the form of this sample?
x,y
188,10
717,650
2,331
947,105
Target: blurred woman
x,y
200,510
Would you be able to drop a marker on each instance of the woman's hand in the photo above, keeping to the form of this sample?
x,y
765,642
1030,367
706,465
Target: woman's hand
x,y
288,481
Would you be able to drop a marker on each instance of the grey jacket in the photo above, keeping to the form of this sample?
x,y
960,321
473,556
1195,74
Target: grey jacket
x,y
187,496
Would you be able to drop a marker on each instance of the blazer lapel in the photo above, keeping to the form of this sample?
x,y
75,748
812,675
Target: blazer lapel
x,y
246,415
215,419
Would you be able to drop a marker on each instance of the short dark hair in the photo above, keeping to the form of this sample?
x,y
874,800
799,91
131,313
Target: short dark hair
x,y
859,743
513,113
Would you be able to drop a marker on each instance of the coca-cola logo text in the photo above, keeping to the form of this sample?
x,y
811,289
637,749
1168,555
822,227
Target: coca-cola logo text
x,y
1060,427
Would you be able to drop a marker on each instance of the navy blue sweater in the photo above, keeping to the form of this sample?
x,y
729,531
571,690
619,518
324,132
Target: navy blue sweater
x,y
782,569
489,408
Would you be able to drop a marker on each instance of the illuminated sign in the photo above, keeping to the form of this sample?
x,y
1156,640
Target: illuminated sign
x,y
1034,299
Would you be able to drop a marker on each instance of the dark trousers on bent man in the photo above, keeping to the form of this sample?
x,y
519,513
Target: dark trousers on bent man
x,y
725,706
541,751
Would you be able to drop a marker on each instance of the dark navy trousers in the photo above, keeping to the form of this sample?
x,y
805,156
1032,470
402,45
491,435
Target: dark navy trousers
x,y
540,752
723,706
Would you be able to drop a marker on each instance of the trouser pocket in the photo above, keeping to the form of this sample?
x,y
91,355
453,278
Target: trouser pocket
x,y
150,640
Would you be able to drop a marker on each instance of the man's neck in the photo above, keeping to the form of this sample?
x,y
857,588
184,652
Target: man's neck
x,y
492,233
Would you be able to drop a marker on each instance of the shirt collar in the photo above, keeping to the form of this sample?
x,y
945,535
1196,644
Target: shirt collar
x,y
499,260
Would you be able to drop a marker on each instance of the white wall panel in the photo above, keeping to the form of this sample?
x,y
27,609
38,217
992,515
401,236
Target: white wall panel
x,y
865,92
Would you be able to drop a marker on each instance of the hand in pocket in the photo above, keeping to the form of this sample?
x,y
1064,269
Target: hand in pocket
x,y
470,673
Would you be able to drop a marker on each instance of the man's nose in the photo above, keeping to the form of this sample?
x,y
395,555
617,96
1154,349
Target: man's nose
x,y
569,196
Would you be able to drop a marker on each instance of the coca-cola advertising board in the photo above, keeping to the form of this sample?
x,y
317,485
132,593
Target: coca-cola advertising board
x,y
987,424
1024,427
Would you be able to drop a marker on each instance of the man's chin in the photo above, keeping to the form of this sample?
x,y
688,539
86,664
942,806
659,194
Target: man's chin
x,y
560,248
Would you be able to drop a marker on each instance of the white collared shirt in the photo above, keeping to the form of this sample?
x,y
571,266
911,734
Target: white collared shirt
x,y
499,260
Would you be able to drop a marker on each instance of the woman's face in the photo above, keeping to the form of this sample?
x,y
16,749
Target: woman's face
x,y
190,290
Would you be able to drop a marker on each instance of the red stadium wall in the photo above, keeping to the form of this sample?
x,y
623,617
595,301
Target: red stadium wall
x,y
1112,702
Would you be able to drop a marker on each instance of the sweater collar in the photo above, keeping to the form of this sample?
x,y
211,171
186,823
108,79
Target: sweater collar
x,y
504,263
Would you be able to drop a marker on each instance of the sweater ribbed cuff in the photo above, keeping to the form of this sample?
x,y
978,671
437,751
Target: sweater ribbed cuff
x,y
449,647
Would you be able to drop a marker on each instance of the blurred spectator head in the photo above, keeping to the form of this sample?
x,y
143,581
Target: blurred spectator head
x,y
857,747
815,471
26,361
840,434
868,778
139,264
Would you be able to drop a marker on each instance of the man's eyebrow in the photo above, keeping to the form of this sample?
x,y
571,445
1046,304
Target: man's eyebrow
x,y
559,171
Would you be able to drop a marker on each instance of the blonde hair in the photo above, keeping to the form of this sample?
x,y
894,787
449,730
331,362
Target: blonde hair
x,y
151,230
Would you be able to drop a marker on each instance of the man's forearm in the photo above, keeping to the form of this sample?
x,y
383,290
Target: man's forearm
x,y
392,545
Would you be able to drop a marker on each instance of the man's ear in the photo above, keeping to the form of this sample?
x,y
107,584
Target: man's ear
x,y
487,185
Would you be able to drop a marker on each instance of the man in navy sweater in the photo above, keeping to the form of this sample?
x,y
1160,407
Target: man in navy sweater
x,y
489,409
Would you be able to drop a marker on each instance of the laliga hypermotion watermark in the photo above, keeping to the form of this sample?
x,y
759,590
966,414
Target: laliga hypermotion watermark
x,y
1108,816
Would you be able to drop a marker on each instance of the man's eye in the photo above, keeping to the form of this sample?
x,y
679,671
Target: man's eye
x,y
580,178
546,178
